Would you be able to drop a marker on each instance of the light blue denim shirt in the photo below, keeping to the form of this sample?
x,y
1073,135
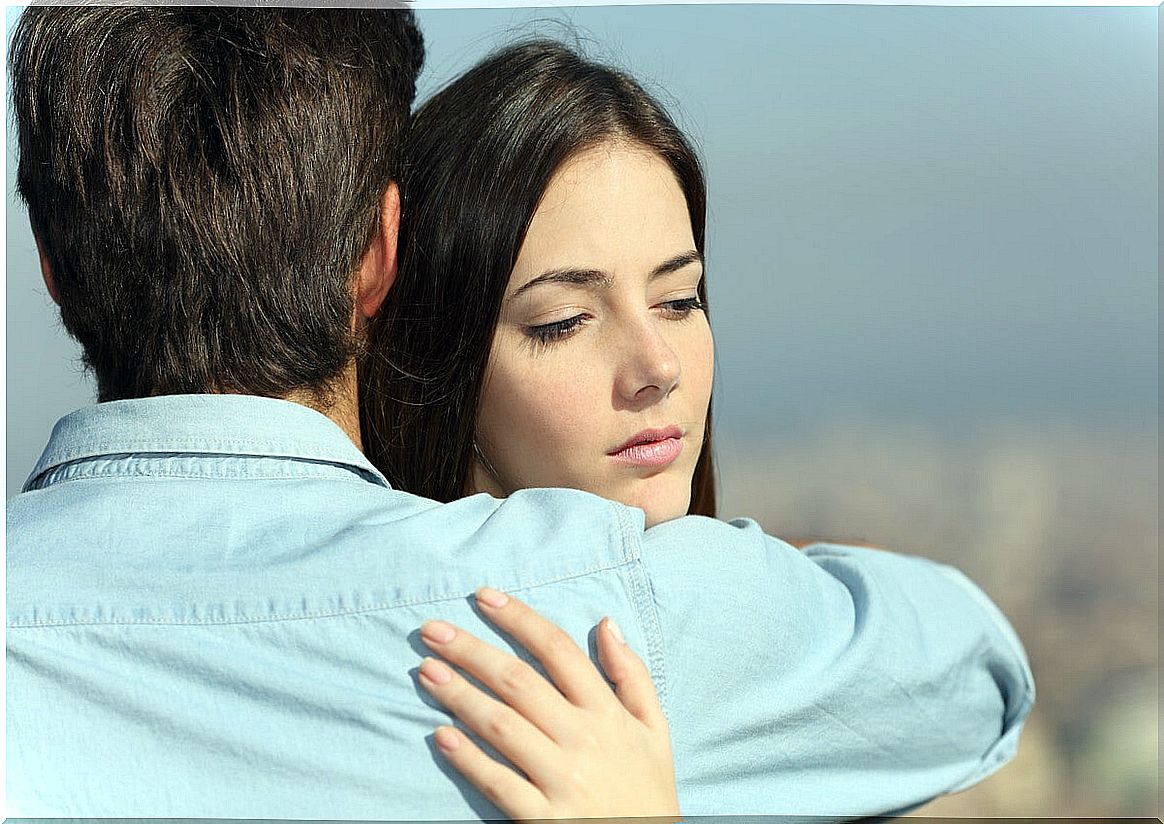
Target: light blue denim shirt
x,y
213,604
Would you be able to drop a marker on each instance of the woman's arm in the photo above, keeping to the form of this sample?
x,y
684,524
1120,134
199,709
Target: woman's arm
x,y
583,750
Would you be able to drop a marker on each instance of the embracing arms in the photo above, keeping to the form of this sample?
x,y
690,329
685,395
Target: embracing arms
x,y
835,681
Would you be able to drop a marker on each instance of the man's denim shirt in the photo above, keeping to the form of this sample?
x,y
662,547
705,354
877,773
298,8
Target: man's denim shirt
x,y
213,604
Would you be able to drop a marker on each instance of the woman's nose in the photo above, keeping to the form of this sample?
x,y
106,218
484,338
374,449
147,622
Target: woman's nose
x,y
651,368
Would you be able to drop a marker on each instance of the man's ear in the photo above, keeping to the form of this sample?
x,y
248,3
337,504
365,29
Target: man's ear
x,y
46,270
378,268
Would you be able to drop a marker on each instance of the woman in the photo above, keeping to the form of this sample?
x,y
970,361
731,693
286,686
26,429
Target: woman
x,y
548,327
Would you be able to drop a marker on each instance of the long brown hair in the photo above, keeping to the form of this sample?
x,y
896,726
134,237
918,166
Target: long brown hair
x,y
478,159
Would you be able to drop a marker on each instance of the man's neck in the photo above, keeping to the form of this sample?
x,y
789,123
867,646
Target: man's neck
x,y
343,407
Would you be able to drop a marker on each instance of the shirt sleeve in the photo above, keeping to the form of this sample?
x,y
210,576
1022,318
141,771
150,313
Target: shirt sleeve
x,y
836,679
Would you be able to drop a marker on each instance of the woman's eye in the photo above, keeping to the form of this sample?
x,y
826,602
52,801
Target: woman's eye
x,y
547,333
683,307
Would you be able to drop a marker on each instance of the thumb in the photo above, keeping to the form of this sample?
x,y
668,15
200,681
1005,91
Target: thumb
x,y
631,679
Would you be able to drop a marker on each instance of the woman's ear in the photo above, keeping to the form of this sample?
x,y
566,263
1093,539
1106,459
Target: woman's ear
x,y
378,267
46,270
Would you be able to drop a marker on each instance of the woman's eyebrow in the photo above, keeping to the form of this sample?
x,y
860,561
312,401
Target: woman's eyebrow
x,y
676,263
580,277
596,277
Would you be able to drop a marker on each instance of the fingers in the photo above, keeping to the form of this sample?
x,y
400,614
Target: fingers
x,y
568,666
511,793
512,680
512,736
630,676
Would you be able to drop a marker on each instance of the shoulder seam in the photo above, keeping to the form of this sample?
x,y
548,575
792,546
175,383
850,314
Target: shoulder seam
x,y
642,598
307,616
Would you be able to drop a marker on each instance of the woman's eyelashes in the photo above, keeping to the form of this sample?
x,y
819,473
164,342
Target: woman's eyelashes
x,y
541,336
683,307
544,334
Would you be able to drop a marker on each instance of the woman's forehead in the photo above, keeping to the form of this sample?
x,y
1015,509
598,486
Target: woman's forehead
x,y
615,208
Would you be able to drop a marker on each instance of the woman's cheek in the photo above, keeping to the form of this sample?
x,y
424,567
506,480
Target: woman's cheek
x,y
530,427
561,415
700,363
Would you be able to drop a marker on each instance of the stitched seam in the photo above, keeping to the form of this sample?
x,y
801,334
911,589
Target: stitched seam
x,y
68,476
201,446
642,597
404,602
205,449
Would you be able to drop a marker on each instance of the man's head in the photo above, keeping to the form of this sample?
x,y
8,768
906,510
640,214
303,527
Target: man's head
x,y
206,185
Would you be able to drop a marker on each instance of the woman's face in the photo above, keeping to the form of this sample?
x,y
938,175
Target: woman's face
x,y
600,372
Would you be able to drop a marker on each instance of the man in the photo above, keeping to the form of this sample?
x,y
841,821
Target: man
x,y
213,596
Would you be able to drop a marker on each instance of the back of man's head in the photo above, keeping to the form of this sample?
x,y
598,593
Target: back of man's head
x,y
203,183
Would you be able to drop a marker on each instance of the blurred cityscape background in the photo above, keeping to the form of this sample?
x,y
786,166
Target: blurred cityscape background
x,y
933,270
1058,524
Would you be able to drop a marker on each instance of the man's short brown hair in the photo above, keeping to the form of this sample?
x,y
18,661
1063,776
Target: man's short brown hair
x,y
204,181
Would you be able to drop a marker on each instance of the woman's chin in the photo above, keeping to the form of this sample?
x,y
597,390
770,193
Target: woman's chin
x,y
660,502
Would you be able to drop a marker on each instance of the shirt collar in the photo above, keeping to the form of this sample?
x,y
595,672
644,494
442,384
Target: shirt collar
x,y
202,424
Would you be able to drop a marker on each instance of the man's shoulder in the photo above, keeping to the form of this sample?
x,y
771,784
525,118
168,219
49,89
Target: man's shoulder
x,y
174,547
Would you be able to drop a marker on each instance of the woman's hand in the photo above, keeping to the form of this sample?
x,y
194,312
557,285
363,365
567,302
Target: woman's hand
x,y
586,752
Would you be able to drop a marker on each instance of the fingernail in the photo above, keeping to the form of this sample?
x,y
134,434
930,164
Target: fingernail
x,y
435,671
615,631
438,632
446,739
492,598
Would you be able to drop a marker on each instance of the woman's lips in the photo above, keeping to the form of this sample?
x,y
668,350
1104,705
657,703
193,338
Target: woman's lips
x,y
651,448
